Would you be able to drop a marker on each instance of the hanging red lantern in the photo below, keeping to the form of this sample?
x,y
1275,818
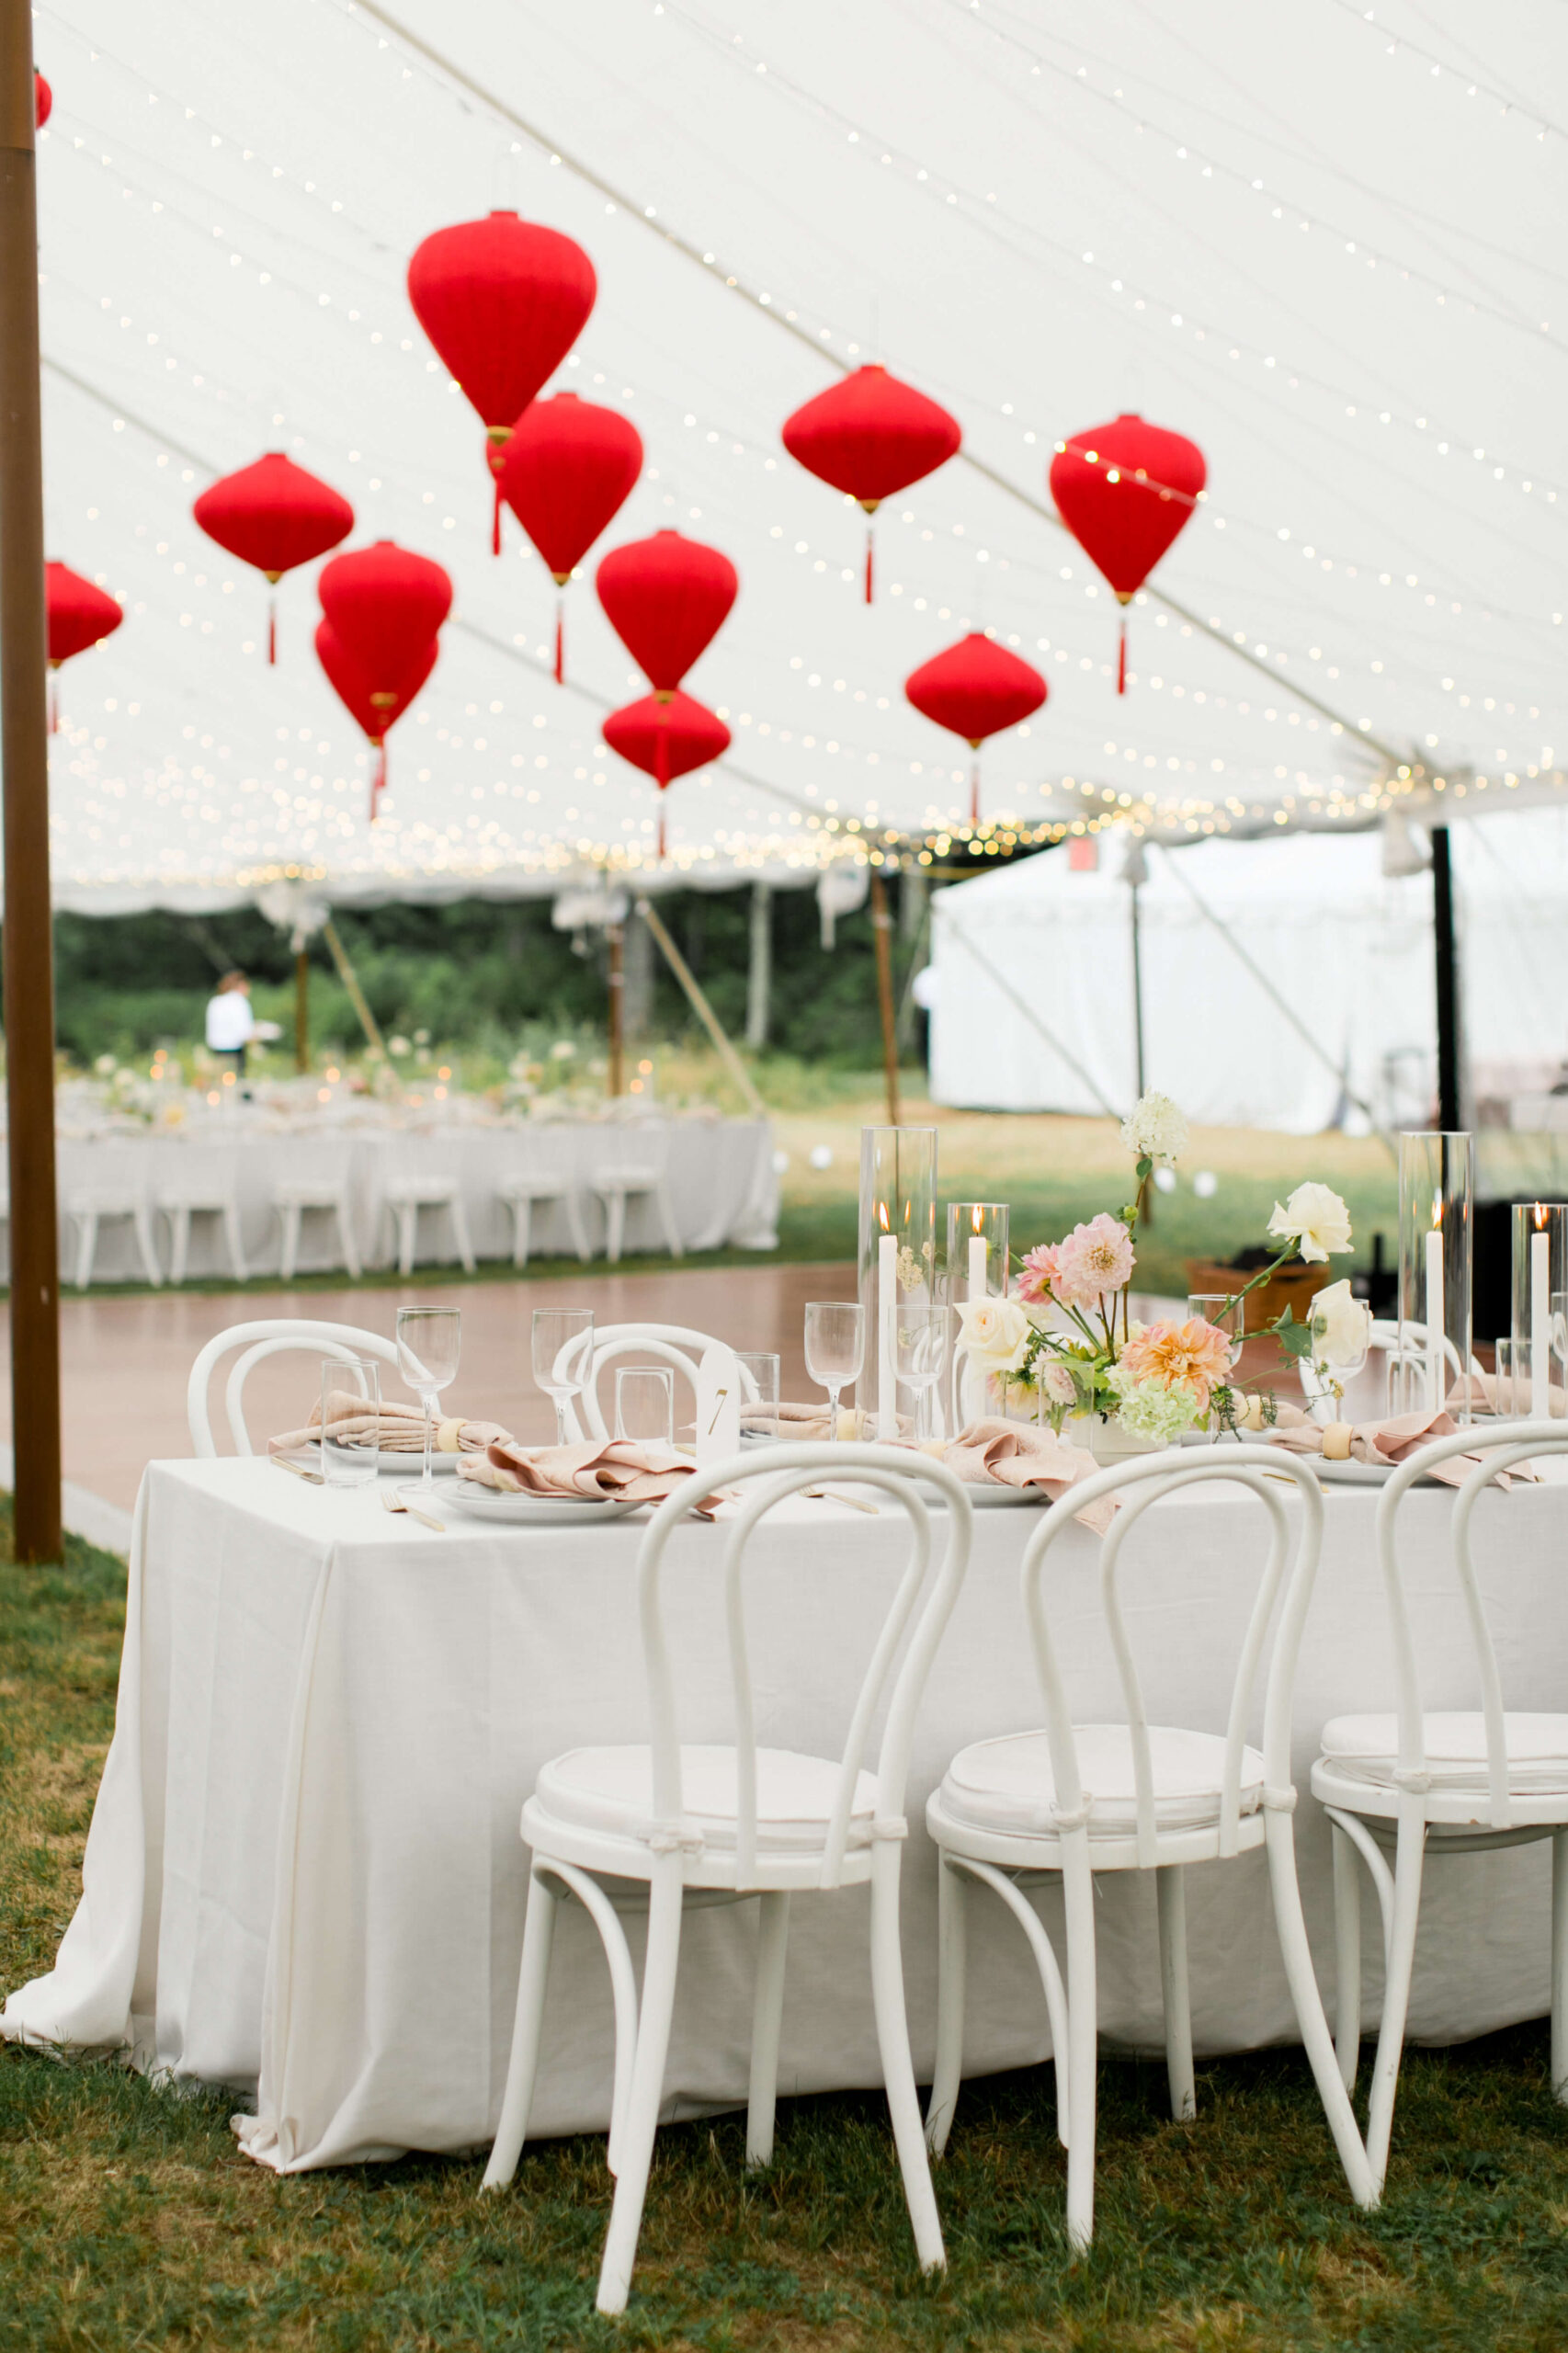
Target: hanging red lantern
x,y
871,436
503,301
667,598
976,689
666,736
80,614
567,469
275,516
377,709
1126,491
43,99
386,605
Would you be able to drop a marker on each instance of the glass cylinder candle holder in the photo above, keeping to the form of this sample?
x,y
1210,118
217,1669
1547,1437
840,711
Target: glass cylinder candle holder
x,y
977,1249
897,1253
1436,1183
1541,1274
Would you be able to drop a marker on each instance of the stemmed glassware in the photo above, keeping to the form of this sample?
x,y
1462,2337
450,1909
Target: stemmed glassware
x,y
428,1343
563,1357
835,1348
920,1355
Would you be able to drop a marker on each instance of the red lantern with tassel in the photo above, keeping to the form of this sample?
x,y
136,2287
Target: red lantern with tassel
x,y
667,598
567,471
80,614
976,689
376,709
666,736
386,604
275,516
871,436
1126,491
43,99
503,301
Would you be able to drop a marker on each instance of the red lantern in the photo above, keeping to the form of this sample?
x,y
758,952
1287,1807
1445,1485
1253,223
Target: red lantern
x,y
976,689
79,615
43,99
275,516
1125,490
503,301
872,436
667,598
666,736
377,709
386,605
567,469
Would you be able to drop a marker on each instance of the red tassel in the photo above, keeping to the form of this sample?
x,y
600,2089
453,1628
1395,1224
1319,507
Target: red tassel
x,y
560,642
53,708
974,793
272,630
662,754
378,781
871,535
1121,660
661,821
495,523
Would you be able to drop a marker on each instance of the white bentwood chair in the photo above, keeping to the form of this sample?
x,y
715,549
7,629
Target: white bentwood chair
x,y
318,1180
630,1163
275,1337
425,1173
676,1345
738,1821
1077,1799
107,1180
200,1180
1439,1784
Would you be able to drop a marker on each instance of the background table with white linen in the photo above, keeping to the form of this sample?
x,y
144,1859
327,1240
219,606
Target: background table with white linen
x,y
305,1867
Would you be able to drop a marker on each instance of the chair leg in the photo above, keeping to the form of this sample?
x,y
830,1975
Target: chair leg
x,y
1347,1957
1083,2026
1362,2173
87,1244
459,1234
1409,1856
1170,1896
345,1235
288,1216
768,2017
235,1241
522,1220
615,1223
142,1224
178,1215
665,1896
666,1211
952,1957
577,1225
1559,1965
898,2068
539,1933
407,1229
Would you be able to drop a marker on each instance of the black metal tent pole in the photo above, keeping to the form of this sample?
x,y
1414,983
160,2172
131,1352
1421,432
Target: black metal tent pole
x,y
1447,964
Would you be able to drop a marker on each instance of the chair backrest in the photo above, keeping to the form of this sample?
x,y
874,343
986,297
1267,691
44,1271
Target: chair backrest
x,y
274,1338
316,1160
1140,1484
191,1167
1501,1449
784,1470
109,1170
614,1145
663,1344
403,1154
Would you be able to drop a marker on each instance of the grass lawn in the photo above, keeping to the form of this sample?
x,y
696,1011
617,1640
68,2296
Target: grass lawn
x,y
128,2219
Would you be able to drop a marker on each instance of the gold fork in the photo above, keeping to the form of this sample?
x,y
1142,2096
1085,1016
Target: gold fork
x,y
391,1501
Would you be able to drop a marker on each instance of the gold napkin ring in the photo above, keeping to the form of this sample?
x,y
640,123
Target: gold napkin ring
x,y
1336,1439
447,1436
1253,1417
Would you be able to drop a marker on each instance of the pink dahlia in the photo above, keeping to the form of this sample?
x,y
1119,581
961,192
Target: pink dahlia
x,y
1038,1279
1094,1258
1194,1353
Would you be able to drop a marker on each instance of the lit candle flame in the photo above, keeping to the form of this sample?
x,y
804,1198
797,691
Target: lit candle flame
x,y
977,1217
1540,1216
883,1213
1437,1211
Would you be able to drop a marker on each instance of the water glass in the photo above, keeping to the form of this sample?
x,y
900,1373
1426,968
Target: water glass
x,y
645,1404
920,1355
1226,1310
836,1348
563,1357
759,1394
350,1421
1503,1402
429,1341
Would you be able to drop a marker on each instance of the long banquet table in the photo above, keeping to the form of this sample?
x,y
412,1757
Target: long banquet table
x,y
305,1878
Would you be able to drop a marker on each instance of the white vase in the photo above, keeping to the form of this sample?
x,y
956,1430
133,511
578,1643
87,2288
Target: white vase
x,y
1105,1437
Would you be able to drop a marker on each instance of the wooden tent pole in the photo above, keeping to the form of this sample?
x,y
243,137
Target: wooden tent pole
x,y
351,980
29,948
702,1009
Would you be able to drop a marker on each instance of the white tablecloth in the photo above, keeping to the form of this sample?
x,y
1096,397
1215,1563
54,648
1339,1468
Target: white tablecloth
x,y
720,1181
304,1865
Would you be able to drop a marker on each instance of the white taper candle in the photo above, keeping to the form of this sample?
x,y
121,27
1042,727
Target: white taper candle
x,y
887,1360
1436,1318
977,1285
1541,1325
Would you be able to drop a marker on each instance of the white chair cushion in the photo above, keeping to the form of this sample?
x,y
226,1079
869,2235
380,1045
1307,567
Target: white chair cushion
x,y
611,1789
1007,1784
310,1192
1366,1748
426,1192
627,1180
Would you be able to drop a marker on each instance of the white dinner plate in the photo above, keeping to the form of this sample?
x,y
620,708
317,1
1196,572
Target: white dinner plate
x,y
410,1466
1351,1473
537,1511
994,1496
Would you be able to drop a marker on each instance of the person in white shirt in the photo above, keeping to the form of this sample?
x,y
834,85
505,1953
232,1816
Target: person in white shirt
x,y
231,1024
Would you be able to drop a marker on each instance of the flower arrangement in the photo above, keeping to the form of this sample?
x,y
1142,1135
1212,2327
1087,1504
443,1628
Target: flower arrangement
x,y
1065,1336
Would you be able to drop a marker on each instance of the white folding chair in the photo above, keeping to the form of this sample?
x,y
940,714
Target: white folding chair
x,y
675,1345
1439,1784
422,1172
1077,1799
98,1181
531,1186
630,1163
733,1822
317,1179
275,1337
200,1180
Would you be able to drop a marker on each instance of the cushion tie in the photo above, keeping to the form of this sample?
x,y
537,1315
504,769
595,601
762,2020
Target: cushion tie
x,y
1278,1801
670,1837
1413,1777
884,1825
1072,1817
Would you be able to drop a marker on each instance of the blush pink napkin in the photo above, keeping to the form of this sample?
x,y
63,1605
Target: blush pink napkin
x,y
802,1423
400,1426
1393,1439
600,1468
1014,1454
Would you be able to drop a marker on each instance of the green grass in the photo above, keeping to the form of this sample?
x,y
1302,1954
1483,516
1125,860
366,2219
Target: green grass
x,y
128,2221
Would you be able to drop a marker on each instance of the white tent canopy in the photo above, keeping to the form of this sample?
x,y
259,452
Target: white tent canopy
x,y
1034,1005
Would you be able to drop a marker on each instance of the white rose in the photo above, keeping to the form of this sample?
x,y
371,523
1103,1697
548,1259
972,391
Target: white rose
x,y
1317,1219
1341,1326
996,1333
1157,1131
1055,1380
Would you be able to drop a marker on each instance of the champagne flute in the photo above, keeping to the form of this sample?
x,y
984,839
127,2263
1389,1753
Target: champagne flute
x,y
920,1355
563,1356
835,1346
428,1342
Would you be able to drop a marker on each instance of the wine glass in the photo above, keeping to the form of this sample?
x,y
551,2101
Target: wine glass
x,y
428,1342
920,1355
563,1356
835,1346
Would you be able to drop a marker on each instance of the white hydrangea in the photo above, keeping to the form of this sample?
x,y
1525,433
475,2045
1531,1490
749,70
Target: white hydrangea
x,y
1157,1131
1156,1410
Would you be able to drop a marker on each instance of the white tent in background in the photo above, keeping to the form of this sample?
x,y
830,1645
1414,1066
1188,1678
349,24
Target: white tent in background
x,y
1034,1005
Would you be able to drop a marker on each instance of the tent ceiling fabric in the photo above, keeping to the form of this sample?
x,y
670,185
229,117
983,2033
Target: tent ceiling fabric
x,y
1279,231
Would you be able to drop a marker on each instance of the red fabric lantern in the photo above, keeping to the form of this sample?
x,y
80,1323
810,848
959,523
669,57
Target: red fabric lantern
x,y
503,301
666,736
43,99
385,604
567,469
1126,491
667,598
79,615
976,689
376,709
872,436
275,516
